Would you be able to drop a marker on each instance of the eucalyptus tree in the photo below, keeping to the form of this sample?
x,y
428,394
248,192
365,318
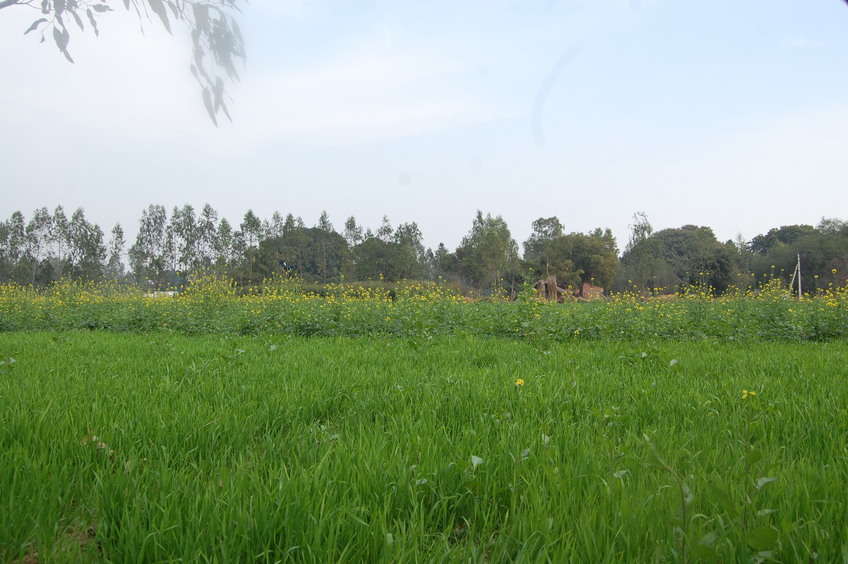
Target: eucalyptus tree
x,y
487,253
13,247
5,260
408,251
38,232
352,232
115,252
385,231
324,223
150,255
205,236
223,246
87,251
183,229
274,228
59,241
251,230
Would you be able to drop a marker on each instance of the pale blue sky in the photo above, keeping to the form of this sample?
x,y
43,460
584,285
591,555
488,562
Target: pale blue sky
x,y
730,114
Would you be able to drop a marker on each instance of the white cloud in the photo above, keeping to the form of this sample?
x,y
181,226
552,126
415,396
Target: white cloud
x,y
360,97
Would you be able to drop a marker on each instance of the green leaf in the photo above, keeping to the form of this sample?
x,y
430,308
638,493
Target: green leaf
x,y
700,551
762,538
753,457
721,497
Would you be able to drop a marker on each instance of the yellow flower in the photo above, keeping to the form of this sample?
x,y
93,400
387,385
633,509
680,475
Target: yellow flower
x,y
748,393
519,382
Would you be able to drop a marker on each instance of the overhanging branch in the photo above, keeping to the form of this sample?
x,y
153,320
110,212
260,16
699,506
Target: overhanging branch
x,y
7,3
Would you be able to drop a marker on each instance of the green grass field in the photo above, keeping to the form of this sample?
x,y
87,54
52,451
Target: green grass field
x,y
159,446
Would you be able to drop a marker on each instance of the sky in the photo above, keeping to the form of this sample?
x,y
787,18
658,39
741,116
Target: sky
x,y
731,114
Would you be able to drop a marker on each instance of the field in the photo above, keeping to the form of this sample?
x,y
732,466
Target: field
x,y
271,427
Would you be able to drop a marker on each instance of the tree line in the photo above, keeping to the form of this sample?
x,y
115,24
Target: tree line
x,y
172,248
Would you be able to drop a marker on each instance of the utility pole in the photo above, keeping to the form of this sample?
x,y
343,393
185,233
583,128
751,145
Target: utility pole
x,y
797,274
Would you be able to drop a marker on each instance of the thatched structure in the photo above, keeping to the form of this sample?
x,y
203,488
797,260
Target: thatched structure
x,y
548,289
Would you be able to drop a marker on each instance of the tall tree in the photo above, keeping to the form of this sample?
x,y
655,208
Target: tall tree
x,y
251,230
87,252
275,226
207,233
38,232
689,255
149,255
183,228
223,246
546,251
324,223
115,252
595,258
59,240
487,252
14,248
785,235
352,232
314,253
5,259
576,258
384,232
640,262
408,251
821,249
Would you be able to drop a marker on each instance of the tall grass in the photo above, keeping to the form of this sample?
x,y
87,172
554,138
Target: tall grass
x,y
156,447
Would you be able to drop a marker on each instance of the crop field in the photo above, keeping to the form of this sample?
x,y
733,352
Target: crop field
x,y
361,427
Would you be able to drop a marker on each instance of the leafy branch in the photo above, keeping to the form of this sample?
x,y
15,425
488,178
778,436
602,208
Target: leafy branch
x,y
217,43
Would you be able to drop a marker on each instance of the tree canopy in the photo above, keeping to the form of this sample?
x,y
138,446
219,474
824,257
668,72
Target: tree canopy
x,y
174,248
